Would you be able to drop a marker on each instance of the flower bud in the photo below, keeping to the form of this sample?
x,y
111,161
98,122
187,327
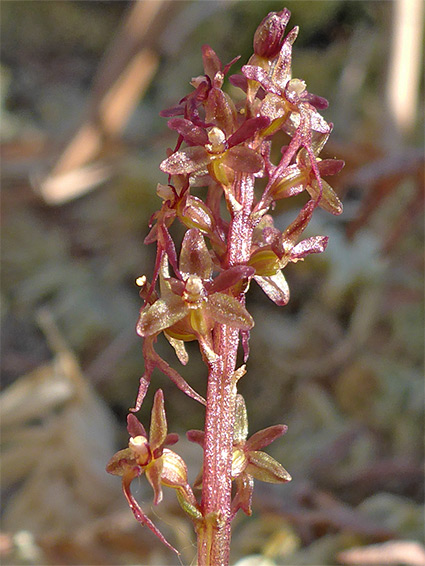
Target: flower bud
x,y
268,38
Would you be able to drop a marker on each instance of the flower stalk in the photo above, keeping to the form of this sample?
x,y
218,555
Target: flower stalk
x,y
198,294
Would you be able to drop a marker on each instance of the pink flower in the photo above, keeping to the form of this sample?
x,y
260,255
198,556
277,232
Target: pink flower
x,y
249,462
301,176
273,250
191,304
214,150
149,456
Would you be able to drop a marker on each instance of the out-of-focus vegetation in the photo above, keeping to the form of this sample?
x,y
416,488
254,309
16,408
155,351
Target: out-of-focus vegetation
x,y
341,365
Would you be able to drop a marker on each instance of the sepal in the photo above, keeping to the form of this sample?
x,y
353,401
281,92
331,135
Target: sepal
x,y
264,437
228,310
158,428
275,287
262,466
121,462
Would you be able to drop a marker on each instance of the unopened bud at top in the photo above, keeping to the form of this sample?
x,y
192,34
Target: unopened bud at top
x,y
268,38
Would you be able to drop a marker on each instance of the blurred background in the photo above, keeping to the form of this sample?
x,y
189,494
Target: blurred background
x,y
82,85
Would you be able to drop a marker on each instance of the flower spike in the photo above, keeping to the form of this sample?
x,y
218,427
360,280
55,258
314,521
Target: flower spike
x,y
197,290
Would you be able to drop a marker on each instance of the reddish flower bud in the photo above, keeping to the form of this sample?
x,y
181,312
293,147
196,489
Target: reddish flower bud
x,y
268,38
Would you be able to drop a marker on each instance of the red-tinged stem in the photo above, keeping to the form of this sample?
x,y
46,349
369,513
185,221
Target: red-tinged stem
x,y
214,533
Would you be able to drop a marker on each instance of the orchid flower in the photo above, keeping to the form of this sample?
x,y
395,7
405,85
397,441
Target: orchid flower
x,y
194,302
249,462
148,456
273,250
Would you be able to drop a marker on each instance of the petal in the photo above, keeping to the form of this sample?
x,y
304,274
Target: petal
x,y
153,475
297,227
282,69
174,471
212,64
239,81
329,200
138,513
254,73
171,439
197,436
248,129
186,161
161,315
330,166
318,102
194,256
313,245
275,287
291,182
220,110
263,467
174,111
229,65
245,159
230,278
265,437
239,462
158,429
241,421
228,310
192,134
135,427
122,462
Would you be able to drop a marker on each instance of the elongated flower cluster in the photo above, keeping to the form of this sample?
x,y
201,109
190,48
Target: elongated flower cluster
x,y
224,146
